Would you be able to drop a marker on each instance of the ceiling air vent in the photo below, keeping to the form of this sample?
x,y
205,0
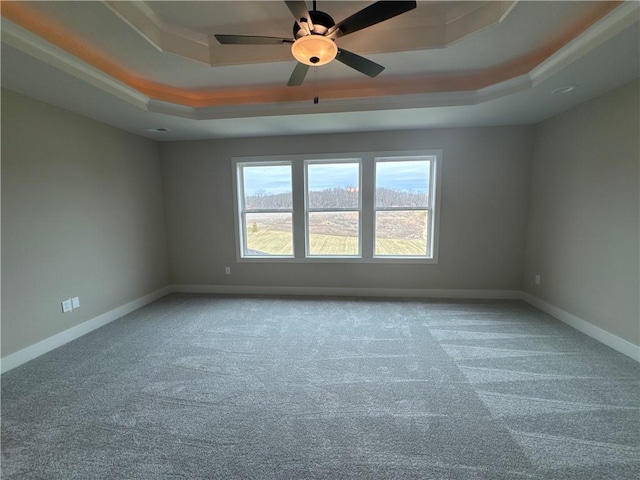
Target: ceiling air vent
x,y
158,130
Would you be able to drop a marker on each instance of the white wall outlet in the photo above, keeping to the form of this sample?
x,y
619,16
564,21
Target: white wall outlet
x,y
75,302
227,270
66,305
537,280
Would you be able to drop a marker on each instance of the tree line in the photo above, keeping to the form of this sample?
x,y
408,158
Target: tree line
x,y
338,197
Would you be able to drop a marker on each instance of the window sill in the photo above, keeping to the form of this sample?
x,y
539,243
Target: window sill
x,y
342,260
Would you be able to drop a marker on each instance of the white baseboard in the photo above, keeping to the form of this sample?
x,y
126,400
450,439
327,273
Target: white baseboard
x,y
22,356
609,339
351,292
29,353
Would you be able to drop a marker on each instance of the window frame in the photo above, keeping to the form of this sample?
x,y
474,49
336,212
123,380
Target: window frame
x,y
308,209
366,202
429,208
242,211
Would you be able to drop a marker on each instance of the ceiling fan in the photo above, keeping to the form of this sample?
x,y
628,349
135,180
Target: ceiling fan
x,y
314,34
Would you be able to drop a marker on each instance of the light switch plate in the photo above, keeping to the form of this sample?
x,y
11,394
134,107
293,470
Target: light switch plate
x,y
75,302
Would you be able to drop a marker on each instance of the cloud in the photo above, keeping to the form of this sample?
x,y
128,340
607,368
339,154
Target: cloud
x,y
398,175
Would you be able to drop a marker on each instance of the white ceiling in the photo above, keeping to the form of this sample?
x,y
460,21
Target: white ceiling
x,y
467,40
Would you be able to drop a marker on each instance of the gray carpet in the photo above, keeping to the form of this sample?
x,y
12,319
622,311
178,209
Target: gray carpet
x,y
204,387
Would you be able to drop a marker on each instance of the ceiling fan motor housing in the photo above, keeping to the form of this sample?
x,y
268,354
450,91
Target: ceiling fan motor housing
x,y
321,23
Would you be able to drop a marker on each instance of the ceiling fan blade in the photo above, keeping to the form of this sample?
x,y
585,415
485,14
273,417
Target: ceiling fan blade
x,y
350,59
299,10
297,77
374,13
251,40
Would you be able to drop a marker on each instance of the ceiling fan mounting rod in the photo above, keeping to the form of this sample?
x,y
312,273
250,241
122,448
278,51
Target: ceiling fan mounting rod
x,y
319,23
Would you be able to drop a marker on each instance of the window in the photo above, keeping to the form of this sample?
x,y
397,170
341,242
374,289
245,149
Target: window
x,y
266,209
403,207
335,208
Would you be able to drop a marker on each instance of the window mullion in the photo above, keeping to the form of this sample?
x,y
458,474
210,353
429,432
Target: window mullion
x,y
299,214
367,207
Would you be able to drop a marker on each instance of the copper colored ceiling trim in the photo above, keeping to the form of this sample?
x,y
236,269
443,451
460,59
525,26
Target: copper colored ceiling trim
x,y
21,14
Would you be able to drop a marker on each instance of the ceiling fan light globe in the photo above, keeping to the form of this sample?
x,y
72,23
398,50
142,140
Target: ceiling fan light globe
x,y
314,50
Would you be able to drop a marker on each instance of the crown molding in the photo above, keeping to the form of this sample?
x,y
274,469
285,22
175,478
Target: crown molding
x,y
33,45
620,18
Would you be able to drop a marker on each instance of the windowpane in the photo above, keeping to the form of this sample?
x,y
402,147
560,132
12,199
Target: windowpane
x,y
267,187
334,233
333,185
401,233
268,234
402,183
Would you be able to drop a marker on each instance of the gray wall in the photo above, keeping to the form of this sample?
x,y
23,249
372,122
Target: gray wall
x,y
82,215
485,182
84,205
583,230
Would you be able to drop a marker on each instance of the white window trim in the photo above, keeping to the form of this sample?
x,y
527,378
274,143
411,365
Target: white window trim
x,y
430,209
241,210
367,206
308,209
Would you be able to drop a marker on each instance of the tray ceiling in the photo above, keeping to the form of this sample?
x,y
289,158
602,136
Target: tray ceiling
x,y
161,57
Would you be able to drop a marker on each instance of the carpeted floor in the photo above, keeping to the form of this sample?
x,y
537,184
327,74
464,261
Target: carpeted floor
x,y
207,387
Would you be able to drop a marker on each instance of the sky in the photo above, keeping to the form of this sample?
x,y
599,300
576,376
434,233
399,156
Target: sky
x,y
397,175
271,179
333,175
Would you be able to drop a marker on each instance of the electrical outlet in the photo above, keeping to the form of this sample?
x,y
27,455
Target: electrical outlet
x,y
537,280
67,306
75,302
227,270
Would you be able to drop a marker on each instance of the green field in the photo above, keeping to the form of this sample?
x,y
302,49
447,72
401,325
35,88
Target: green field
x,y
279,243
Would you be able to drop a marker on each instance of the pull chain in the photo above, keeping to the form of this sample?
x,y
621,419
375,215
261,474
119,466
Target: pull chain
x,y
315,86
